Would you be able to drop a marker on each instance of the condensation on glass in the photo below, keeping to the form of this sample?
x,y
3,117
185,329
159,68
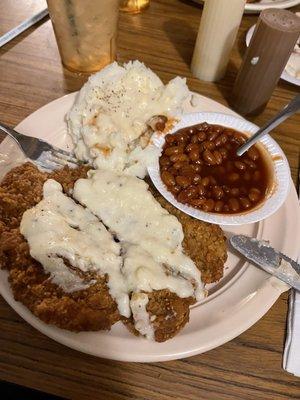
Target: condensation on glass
x,y
85,32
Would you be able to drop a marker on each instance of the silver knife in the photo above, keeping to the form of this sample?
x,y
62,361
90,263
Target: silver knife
x,y
8,36
263,255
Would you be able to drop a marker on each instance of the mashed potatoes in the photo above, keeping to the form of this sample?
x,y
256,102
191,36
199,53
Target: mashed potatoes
x,y
108,121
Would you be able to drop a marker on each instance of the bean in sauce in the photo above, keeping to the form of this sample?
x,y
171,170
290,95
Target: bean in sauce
x,y
200,167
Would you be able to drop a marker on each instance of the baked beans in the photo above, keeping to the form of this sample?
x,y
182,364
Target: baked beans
x,y
200,167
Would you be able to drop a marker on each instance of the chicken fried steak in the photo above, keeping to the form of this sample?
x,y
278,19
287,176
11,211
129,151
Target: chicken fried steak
x,y
89,309
92,308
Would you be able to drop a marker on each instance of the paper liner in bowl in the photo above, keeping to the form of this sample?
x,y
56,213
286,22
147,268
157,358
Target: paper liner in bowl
x,y
281,171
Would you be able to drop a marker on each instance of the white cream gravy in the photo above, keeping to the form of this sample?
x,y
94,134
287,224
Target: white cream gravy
x,y
148,256
150,237
57,228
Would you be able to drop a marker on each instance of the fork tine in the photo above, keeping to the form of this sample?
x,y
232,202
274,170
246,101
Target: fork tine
x,y
48,165
61,161
61,151
63,155
49,161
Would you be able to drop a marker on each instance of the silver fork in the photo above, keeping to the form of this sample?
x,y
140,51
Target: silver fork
x,y
42,153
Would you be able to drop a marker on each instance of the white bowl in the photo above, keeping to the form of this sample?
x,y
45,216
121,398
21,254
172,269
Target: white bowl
x,y
281,172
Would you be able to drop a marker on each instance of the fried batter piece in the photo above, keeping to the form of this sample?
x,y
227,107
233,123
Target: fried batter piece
x,y
92,308
22,188
85,310
168,314
204,243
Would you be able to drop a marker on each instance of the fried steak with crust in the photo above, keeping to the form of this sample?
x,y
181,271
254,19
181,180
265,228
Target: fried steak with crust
x,y
85,310
92,308
168,314
204,243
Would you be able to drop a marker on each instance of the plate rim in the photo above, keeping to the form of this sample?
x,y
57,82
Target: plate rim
x,y
271,288
279,4
255,8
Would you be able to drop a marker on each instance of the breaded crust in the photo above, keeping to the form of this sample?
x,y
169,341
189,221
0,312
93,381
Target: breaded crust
x,y
22,188
168,314
84,310
93,308
204,243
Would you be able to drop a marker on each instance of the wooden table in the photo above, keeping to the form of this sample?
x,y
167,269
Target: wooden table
x,y
249,366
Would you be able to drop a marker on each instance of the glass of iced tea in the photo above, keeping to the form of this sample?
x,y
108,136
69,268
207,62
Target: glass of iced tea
x,y
85,32
133,6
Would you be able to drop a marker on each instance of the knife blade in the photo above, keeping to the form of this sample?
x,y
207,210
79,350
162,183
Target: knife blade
x,y
8,36
263,255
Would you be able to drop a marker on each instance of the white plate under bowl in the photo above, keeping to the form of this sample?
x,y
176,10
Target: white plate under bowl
x,y
236,302
281,171
258,6
285,76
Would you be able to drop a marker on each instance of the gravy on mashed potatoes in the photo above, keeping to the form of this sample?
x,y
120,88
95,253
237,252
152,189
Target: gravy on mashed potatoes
x,y
110,115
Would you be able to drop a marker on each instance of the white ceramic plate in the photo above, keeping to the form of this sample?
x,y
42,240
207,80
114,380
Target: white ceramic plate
x,y
258,6
281,171
240,299
285,76
263,4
